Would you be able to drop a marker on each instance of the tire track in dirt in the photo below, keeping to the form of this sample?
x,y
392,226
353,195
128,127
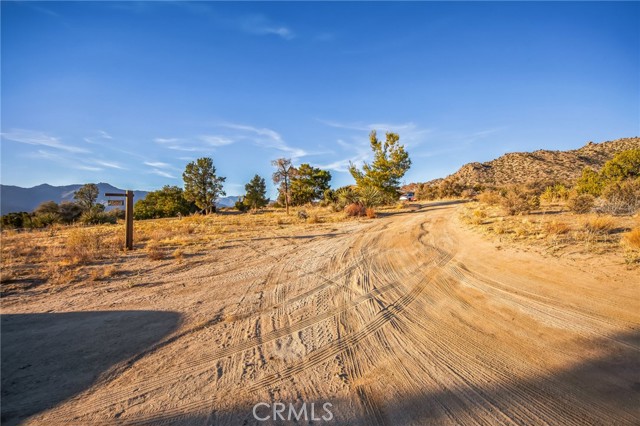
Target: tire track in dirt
x,y
314,359
195,367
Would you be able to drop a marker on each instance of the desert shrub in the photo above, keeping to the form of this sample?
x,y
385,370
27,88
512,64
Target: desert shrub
x,y
344,196
599,224
47,207
370,212
241,206
490,197
468,194
427,192
178,254
314,218
328,197
42,220
632,238
631,242
95,217
589,183
621,197
370,196
580,203
556,227
475,217
15,220
450,189
519,200
69,212
624,165
155,252
82,246
355,209
555,193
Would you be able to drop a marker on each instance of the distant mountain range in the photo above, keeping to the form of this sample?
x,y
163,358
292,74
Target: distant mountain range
x,y
18,199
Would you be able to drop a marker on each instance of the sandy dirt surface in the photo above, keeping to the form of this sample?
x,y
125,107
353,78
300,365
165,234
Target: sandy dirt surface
x,y
406,319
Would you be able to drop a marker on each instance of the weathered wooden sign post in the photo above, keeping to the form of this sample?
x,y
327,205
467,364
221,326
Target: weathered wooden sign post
x,y
128,214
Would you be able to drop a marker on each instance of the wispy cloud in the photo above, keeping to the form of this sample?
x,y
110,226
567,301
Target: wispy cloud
x,y
216,140
176,144
261,25
109,164
411,134
89,168
72,162
267,138
104,134
357,152
31,137
163,173
158,164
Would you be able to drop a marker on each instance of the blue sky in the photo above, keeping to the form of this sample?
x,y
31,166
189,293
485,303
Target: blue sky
x,y
128,93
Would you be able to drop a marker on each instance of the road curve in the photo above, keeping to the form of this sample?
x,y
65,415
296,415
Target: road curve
x,y
407,319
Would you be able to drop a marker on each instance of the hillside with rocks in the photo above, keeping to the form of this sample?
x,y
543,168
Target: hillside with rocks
x,y
540,165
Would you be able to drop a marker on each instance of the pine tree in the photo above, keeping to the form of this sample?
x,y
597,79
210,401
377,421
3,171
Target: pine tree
x,y
201,185
255,197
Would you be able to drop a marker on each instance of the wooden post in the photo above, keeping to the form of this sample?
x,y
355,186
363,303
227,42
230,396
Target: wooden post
x,y
128,218
128,215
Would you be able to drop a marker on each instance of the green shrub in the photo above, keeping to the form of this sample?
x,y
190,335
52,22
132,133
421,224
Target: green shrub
x,y
624,165
554,194
589,183
240,205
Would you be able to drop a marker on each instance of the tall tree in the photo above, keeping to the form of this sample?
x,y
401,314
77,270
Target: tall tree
x,y
390,163
309,184
282,177
201,185
166,202
256,196
86,196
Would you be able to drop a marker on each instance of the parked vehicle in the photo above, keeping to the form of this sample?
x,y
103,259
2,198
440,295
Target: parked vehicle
x,y
408,196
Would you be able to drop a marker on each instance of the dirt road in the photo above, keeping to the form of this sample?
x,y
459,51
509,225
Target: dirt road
x,y
406,319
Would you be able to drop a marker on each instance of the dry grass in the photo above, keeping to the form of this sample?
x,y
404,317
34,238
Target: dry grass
x,y
556,227
599,224
178,255
554,230
70,254
632,238
155,252
631,245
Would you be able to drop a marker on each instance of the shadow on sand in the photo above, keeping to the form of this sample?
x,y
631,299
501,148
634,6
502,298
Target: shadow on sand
x,y
50,357
600,391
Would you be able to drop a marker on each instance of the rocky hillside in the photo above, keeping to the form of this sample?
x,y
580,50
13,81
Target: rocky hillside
x,y
541,165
